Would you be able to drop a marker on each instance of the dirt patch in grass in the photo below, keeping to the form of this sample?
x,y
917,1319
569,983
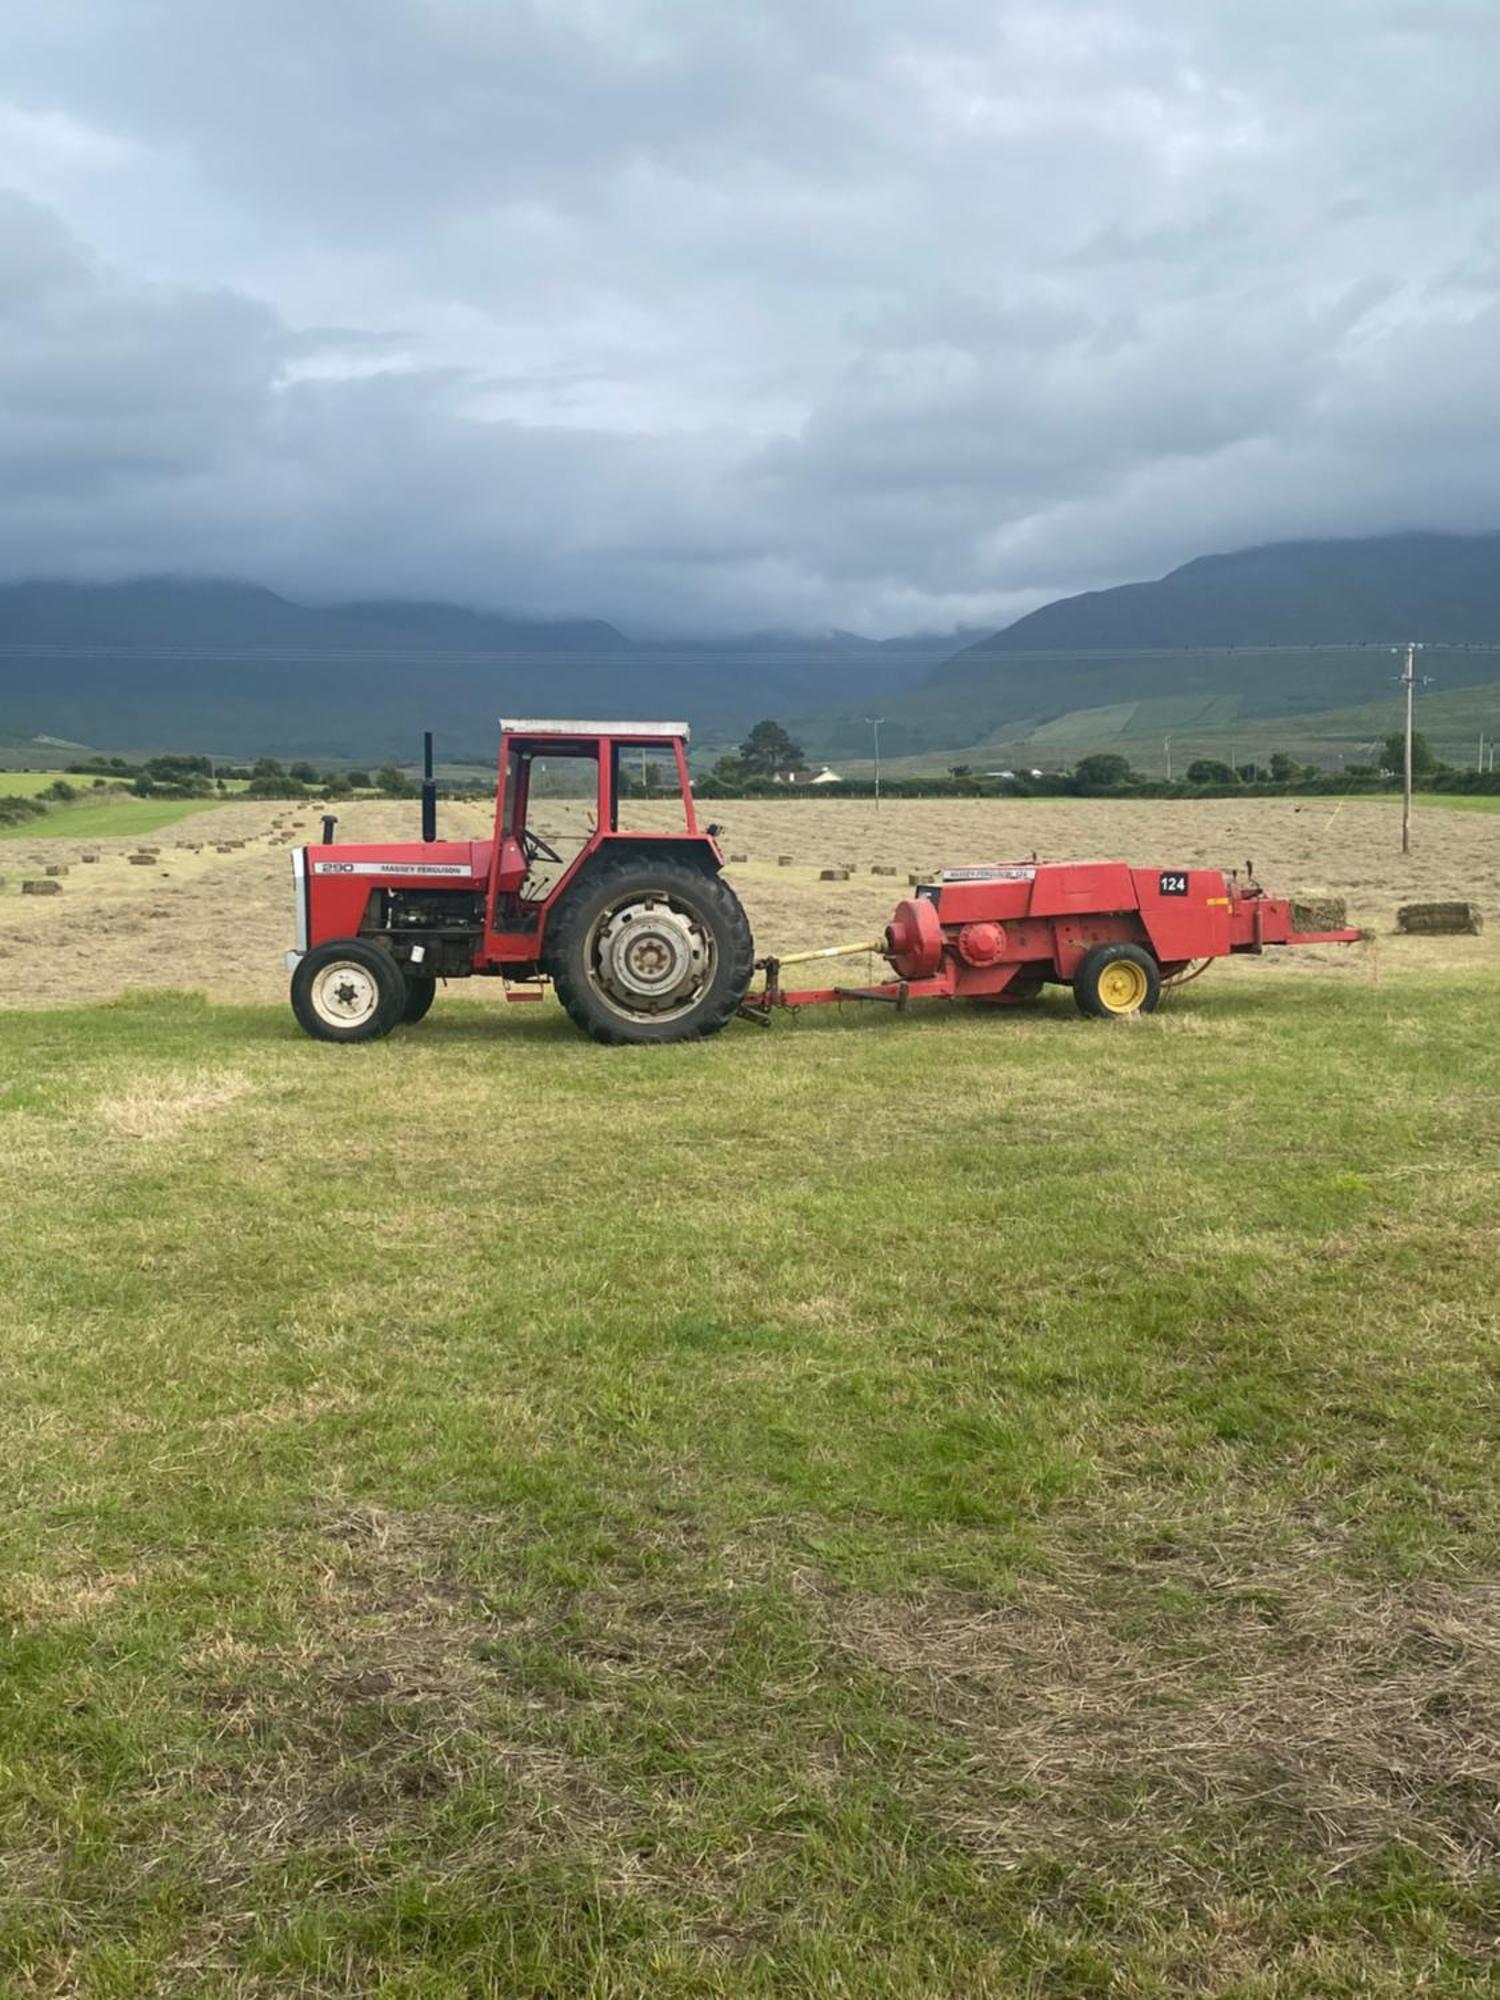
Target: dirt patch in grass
x,y
1216,1710
403,1688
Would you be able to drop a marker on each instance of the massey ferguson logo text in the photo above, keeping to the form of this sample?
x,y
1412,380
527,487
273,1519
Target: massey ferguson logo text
x,y
390,868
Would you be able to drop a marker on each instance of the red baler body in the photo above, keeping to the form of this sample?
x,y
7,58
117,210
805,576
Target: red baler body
x,y
991,932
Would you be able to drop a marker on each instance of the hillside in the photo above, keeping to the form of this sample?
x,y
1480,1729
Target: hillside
x,y
1294,630
1383,588
230,667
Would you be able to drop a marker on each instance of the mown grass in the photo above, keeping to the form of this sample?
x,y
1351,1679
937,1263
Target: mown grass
x,y
967,1505
106,819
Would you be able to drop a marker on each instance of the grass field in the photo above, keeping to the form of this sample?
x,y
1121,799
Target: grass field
x,y
107,819
968,1505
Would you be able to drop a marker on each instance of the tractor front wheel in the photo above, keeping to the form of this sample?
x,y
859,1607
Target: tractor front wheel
x,y
643,950
1115,980
348,991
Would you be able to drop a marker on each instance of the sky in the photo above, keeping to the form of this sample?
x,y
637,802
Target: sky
x,y
726,314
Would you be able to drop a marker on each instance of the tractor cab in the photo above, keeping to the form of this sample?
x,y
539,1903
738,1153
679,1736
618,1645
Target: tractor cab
x,y
597,879
565,788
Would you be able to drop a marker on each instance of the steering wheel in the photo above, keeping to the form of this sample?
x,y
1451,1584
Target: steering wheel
x,y
536,849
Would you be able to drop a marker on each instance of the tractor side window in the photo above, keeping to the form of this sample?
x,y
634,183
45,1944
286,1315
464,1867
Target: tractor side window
x,y
551,810
648,798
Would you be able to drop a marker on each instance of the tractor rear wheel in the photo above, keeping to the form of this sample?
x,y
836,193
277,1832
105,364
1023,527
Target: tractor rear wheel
x,y
643,950
1115,980
348,991
420,994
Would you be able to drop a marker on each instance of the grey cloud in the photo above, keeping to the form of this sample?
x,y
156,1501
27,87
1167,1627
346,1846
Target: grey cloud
x,y
819,311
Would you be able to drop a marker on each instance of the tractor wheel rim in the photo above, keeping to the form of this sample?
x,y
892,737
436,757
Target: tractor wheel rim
x,y
345,994
651,956
1122,986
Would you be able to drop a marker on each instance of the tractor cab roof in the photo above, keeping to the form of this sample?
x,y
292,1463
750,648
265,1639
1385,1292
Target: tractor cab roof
x,y
644,732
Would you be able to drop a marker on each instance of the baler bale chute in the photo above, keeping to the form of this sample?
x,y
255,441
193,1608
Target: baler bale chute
x,y
644,941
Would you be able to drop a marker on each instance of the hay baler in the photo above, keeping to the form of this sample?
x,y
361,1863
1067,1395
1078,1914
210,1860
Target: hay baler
x,y
1115,934
644,941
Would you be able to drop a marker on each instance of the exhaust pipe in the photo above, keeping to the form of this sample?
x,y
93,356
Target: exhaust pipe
x,y
429,791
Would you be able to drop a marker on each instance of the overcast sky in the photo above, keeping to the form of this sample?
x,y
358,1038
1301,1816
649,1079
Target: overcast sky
x,y
740,312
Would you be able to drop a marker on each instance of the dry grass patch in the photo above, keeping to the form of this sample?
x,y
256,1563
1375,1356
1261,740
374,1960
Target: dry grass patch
x,y
162,1108
1202,1710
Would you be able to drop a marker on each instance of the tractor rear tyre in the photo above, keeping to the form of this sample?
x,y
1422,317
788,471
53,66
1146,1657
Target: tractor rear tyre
x,y
348,991
420,994
1115,980
645,950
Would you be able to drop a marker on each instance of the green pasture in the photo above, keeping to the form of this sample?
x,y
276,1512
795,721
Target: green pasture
x,y
974,1504
111,818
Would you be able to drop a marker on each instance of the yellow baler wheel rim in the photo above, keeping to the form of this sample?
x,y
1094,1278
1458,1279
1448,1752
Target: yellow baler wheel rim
x,y
1123,986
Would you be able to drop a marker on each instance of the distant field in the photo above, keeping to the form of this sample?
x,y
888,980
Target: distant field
x,y
111,818
1210,725
26,784
1454,802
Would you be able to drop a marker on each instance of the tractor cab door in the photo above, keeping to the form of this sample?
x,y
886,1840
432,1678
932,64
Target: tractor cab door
x,y
549,812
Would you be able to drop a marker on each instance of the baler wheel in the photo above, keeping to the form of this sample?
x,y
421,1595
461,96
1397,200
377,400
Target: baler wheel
x,y
420,994
348,991
1115,980
648,950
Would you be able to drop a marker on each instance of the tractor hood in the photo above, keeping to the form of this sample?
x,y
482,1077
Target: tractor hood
x,y
456,861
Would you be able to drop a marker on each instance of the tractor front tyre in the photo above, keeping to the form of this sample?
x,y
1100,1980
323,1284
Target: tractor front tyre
x,y
348,991
1115,980
645,950
420,994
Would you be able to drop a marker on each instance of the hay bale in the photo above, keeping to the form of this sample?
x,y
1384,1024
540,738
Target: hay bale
x,y
45,887
141,860
1314,910
88,859
876,869
833,874
57,867
785,861
739,857
1440,919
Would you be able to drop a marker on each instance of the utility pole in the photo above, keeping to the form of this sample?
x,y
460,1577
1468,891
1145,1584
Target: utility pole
x,y
875,722
1409,682
1166,745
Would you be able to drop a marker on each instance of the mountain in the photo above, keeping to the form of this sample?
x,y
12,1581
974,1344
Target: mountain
x,y
1386,588
229,667
1291,629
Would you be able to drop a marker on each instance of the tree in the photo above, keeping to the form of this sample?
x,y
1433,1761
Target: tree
x,y
1104,770
266,771
305,773
768,749
1393,753
360,780
1211,771
393,782
1283,767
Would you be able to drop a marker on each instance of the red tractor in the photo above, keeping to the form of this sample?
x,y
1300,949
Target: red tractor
x,y
644,940
638,931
